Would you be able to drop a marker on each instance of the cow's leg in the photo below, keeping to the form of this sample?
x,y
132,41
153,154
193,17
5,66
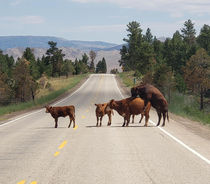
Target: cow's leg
x,y
56,122
159,118
146,120
164,118
110,119
71,119
128,119
97,120
133,118
142,115
101,120
124,122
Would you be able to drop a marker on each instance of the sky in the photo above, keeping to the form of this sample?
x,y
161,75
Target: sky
x,y
99,20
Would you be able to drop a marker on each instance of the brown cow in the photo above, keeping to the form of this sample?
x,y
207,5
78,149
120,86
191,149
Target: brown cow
x,y
63,111
100,112
151,94
130,106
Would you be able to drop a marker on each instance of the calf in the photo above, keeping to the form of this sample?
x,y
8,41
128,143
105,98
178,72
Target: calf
x,y
128,107
64,111
101,111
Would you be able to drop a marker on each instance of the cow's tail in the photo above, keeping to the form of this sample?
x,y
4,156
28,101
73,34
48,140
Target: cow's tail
x,y
168,117
74,113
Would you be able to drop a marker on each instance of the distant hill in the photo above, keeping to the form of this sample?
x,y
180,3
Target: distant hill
x,y
8,42
112,57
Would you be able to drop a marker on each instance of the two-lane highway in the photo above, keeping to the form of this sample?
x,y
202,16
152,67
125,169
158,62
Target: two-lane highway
x,y
33,152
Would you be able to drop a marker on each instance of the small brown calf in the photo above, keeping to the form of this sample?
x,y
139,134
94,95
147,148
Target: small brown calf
x,y
100,112
63,111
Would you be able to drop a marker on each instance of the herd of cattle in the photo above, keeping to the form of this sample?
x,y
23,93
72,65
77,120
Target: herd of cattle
x,y
149,96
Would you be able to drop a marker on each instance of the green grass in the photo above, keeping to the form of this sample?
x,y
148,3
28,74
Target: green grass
x,y
45,97
180,104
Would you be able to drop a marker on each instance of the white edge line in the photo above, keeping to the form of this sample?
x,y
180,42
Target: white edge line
x,y
174,138
42,109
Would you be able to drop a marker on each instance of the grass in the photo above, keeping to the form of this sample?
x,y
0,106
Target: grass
x,y
180,104
59,86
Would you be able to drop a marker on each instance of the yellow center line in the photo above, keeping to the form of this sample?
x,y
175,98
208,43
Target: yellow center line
x,y
21,182
57,153
83,117
87,110
34,182
62,145
76,127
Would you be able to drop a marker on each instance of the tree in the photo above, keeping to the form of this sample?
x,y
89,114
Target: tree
x,y
92,55
137,54
203,38
67,68
148,36
29,56
55,58
188,32
5,90
22,81
196,74
134,40
101,66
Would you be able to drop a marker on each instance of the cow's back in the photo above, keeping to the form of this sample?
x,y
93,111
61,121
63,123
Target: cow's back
x,y
136,106
63,111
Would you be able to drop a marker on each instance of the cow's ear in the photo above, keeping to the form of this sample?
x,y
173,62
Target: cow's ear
x,y
96,104
50,107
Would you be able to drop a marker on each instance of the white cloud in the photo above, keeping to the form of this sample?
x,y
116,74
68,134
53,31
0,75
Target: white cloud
x,y
15,3
173,6
31,19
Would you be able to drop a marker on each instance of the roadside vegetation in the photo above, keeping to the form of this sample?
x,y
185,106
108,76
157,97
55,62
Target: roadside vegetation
x,y
55,88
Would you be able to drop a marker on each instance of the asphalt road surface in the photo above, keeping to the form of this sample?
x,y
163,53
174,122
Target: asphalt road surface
x,y
32,151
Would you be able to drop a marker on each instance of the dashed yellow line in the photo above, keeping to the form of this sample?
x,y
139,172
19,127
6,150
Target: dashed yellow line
x,y
34,182
62,145
76,127
57,153
21,182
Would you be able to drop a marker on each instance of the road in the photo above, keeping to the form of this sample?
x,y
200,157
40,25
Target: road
x,y
33,152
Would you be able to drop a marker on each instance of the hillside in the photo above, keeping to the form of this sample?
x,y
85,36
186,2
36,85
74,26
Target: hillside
x,y
7,42
111,56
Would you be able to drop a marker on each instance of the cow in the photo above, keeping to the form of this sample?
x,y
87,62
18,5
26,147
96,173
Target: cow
x,y
130,106
63,111
151,94
101,111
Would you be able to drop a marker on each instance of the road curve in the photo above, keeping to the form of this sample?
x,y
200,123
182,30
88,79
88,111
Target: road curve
x,y
33,152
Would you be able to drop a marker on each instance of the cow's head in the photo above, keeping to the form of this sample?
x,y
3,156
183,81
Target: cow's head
x,y
134,92
48,108
109,106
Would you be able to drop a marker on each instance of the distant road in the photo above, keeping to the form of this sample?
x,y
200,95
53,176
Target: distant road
x,y
33,152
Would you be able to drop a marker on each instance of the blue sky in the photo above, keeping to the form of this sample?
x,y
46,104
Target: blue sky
x,y
99,20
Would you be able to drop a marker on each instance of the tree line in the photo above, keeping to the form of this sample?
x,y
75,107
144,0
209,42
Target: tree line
x,y
180,63
21,80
